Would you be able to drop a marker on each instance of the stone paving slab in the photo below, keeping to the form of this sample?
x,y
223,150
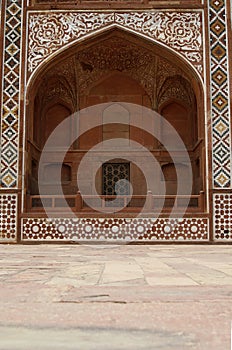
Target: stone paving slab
x,y
73,339
115,297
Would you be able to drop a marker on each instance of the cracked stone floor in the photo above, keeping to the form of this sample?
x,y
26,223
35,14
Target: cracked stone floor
x,y
115,297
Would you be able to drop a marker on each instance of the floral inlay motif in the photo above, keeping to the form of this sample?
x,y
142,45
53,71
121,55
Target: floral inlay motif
x,y
49,32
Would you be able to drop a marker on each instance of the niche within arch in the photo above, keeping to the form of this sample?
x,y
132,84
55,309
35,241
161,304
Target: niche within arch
x,y
116,67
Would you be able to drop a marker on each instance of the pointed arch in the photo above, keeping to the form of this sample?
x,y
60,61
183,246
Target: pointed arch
x,y
98,90
103,31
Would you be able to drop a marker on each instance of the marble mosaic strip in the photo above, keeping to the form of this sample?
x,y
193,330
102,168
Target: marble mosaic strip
x,y
115,229
11,94
222,216
8,217
220,109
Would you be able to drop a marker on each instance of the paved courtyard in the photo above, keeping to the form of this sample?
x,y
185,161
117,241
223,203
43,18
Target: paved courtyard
x,y
115,297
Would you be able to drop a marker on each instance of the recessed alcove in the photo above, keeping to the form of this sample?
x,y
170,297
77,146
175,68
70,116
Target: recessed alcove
x,y
116,67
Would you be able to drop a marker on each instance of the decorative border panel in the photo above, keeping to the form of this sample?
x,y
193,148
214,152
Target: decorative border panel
x,y
222,216
116,229
105,3
50,31
8,217
11,94
221,138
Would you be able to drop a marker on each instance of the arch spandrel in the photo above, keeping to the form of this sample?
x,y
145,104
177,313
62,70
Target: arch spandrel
x,y
84,65
49,34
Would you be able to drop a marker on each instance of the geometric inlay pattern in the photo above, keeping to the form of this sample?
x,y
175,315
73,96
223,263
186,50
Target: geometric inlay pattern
x,y
114,229
50,31
8,217
10,94
222,216
220,109
114,176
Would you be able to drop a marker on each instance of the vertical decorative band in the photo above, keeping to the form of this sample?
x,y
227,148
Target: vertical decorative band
x,y
11,94
8,217
222,216
220,109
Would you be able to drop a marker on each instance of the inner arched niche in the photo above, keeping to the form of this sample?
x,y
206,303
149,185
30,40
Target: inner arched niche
x,y
116,67
177,104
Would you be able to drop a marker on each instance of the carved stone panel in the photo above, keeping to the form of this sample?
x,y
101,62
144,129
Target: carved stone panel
x,y
51,31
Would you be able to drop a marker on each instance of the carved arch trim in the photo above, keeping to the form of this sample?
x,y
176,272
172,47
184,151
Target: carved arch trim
x,y
50,34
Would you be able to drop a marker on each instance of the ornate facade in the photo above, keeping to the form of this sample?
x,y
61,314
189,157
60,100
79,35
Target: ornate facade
x,y
64,56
